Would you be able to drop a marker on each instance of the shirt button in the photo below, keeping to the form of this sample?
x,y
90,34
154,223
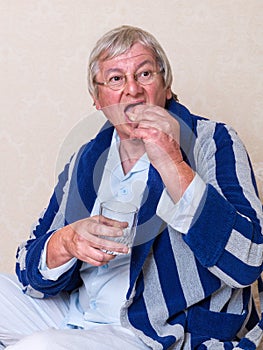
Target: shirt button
x,y
105,267
124,191
93,304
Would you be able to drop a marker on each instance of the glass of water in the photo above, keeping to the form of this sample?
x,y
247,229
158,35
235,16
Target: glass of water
x,y
124,212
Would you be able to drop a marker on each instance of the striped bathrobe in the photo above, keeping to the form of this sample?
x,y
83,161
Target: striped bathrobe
x,y
189,289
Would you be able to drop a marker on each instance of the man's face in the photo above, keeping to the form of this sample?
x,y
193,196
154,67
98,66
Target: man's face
x,y
115,103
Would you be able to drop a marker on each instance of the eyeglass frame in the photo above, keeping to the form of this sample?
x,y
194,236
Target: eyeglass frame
x,y
106,83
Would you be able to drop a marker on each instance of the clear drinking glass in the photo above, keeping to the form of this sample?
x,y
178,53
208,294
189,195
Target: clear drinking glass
x,y
124,212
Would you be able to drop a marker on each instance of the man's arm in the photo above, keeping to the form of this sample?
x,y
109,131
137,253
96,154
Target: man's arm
x,y
225,233
222,224
63,241
29,252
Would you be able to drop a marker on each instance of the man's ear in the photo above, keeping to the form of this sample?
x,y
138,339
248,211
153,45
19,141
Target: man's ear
x,y
96,103
169,93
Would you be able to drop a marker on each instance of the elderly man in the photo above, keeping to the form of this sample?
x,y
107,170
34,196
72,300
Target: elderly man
x,y
185,284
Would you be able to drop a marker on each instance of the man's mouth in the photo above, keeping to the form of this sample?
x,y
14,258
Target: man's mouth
x,y
130,106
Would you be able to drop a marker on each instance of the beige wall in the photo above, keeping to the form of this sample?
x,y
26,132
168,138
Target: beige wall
x,y
215,48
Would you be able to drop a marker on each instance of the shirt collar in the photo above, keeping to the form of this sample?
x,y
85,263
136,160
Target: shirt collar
x,y
114,157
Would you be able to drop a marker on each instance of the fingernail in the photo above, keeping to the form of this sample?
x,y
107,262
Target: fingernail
x,y
132,118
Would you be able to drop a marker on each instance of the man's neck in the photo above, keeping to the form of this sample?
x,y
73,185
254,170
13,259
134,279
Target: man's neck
x,y
130,152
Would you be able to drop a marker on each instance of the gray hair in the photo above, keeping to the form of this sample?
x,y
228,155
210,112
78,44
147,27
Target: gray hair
x,y
117,42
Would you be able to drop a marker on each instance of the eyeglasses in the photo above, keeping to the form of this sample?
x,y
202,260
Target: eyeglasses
x,y
118,81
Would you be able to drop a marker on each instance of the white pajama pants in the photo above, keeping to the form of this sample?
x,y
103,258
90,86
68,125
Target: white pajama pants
x,y
28,324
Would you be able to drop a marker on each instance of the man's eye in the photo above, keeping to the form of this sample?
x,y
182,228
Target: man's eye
x,y
145,74
115,79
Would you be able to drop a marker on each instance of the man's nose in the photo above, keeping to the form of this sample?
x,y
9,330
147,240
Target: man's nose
x,y
132,87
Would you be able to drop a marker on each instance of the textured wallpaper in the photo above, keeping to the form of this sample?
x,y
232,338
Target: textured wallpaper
x,y
215,48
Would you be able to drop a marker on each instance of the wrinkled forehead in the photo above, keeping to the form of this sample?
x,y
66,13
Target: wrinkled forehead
x,y
135,56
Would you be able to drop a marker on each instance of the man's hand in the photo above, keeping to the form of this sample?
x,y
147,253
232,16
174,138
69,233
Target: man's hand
x,y
160,133
82,240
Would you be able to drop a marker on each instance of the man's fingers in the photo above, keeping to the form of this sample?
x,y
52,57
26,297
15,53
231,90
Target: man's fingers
x,y
145,133
100,226
113,223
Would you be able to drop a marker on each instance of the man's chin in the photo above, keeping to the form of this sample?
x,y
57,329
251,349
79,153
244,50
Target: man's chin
x,y
125,130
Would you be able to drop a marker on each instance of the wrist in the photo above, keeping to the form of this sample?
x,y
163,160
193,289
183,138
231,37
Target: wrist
x,y
57,247
177,176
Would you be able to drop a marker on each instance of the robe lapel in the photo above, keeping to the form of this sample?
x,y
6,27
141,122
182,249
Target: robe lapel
x,y
149,224
87,175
